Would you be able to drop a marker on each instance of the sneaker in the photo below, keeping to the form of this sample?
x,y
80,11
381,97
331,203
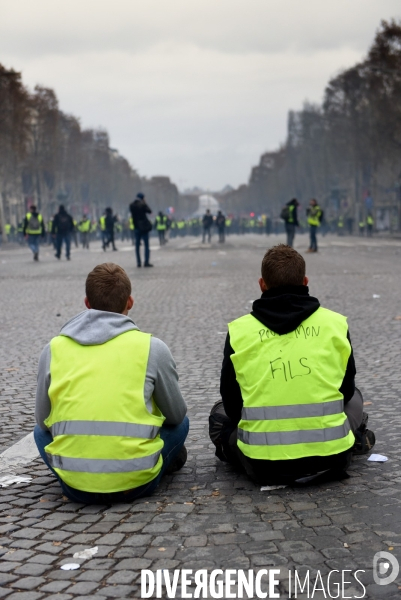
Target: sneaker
x,y
365,439
147,265
57,256
178,462
36,256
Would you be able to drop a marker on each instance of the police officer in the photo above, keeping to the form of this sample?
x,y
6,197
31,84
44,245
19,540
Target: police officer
x,y
288,383
161,226
34,229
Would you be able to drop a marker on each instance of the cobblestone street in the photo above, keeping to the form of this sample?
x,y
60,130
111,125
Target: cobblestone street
x,y
205,516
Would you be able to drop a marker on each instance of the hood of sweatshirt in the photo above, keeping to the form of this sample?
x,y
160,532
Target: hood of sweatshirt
x,y
92,327
284,308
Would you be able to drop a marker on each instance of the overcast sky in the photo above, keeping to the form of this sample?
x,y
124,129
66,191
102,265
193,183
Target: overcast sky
x,y
193,89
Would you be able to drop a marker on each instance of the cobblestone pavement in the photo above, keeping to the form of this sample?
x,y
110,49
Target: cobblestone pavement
x,y
205,516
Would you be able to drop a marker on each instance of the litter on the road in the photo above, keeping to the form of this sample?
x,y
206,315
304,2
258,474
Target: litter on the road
x,y
85,554
375,296
377,458
70,566
10,479
269,488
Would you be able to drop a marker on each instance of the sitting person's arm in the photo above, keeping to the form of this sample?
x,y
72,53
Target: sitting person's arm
x,y
229,387
162,373
348,385
42,407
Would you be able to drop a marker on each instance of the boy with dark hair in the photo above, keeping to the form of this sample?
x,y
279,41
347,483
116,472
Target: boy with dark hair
x,y
110,415
289,405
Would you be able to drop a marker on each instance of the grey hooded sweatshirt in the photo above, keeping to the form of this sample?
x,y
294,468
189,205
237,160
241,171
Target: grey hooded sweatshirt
x,y
93,327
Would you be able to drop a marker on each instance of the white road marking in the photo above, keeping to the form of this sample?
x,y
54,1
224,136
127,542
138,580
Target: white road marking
x,y
20,454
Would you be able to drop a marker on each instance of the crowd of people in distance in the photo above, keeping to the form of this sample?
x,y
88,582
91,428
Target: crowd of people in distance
x,y
63,230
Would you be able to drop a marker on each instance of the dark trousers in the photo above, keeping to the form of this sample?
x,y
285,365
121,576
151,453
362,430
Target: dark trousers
x,y
221,234
207,232
162,236
141,235
173,436
223,433
290,229
313,240
60,238
110,240
85,239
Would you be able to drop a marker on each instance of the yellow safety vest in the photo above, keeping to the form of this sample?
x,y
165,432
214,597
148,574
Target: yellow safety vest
x,y
102,222
292,406
314,215
161,223
84,226
104,437
30,231
369,220
131,224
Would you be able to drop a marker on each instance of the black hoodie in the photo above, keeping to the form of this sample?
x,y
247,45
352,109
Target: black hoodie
x,y
282,310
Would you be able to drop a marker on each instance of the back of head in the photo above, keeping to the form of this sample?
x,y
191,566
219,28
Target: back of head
x,y
282,266
140,196
61,208
32,209
108,211
108,288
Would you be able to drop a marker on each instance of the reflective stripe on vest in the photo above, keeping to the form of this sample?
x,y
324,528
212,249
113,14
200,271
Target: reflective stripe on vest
x,y
104,428
284,438
306,368
292,411
105,439
96,465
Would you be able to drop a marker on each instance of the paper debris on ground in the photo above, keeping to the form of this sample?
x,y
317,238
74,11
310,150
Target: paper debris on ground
x,y
377,458
85,554
269,488
70,566
10,479
375,296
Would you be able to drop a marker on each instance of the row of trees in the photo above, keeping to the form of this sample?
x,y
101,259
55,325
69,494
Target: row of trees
x,y
345,152
46,158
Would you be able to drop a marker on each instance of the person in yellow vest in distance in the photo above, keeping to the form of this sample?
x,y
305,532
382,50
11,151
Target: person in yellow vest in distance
x,y
161,226
361,226
340,225
289,407
132,230
84,227
111,420
315,215
369,224
34,228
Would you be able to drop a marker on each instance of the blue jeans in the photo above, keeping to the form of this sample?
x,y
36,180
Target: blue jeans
x,y
141,235
173,436
33,242
313,240
61,236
